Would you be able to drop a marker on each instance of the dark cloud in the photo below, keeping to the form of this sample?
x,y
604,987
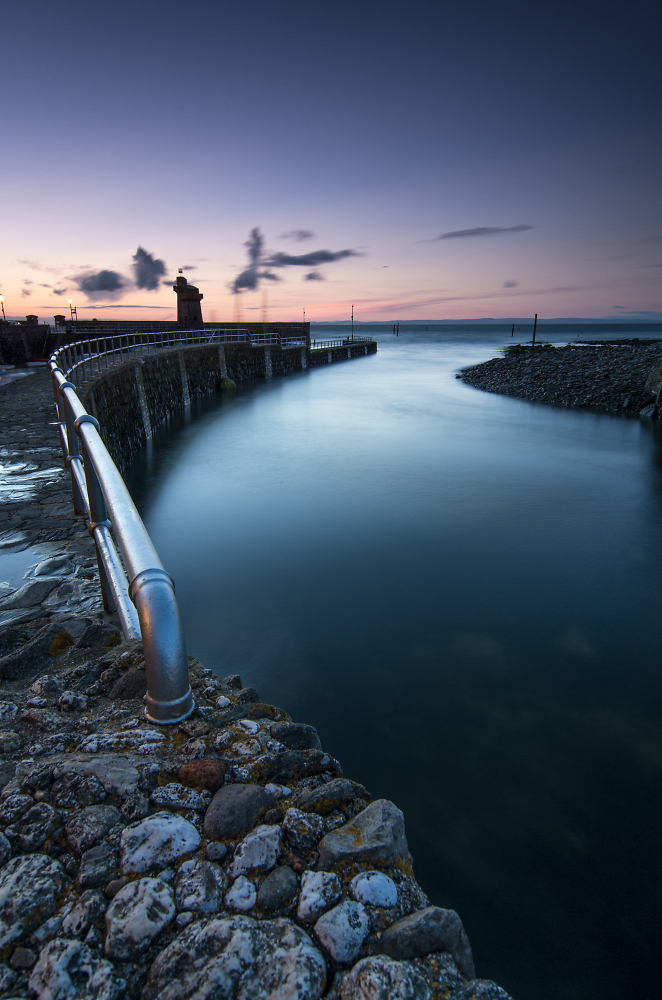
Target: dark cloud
x,y
509,284
100,283
190,267
479,231
312,259
298,235
147,270
313,276
59,291
26,293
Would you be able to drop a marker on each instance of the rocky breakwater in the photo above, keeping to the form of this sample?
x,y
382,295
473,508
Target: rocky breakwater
x,y
225,857
623,377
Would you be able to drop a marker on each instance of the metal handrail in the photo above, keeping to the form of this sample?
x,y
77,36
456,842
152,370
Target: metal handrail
x,y
318,345
135,585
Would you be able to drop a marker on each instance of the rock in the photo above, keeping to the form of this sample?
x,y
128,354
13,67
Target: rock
x,y
215,851
241,896
13,807
200,887
55,566
95,635
143,740
69,970
290,765
648,411
203,773
235,809
374,889
278,889
302,830
296,736
428,930
319,891
175,796
280,791
380,978
29,891
41,719
86,828
8,710
114,887
376,835
97,866
260,960
156,842
117,776
244,697
7,978
132,684
86,911
258,851
136,915
22,958
69,701
72,790
5,850
343,930
32,654
30,594
35,827
273,816
327,797
231,684
46,685
654,381
135,807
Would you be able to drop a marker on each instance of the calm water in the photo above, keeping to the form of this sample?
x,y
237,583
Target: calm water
x,y
461,591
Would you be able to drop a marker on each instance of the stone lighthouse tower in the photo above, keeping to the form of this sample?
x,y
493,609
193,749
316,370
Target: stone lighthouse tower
x,y
189,312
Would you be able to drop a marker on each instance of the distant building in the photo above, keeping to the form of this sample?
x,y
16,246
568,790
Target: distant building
x,y
189,311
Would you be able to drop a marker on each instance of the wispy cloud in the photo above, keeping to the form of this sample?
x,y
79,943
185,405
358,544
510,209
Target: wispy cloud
x,y
260,263
479,231
313,276
297,234
313,259
509,284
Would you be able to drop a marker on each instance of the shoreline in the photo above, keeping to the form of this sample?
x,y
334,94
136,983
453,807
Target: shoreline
x,y
611,376
138,861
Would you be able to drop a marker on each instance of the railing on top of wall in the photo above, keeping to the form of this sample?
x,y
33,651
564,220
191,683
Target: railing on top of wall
x,y
318,345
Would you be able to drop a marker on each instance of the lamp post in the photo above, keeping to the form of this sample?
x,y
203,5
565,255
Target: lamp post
x,y
72,310
2,303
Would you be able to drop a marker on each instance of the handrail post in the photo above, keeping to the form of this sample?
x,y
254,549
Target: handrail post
x,y
73,448
98,514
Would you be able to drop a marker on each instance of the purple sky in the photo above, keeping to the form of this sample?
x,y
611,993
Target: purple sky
x,y
527,137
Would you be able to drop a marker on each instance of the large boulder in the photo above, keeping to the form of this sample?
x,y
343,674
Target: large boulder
x,y
235,810
379,978
136,915
156,842
86,828
238,957
376,835
428,930
30,888
69,970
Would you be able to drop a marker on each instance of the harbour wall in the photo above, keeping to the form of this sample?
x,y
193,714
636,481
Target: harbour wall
x,y
133,400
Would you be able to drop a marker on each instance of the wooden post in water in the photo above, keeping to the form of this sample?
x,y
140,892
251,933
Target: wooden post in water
x,y
535,324
513,331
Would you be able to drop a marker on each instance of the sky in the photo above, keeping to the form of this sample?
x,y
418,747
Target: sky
x,y
419,160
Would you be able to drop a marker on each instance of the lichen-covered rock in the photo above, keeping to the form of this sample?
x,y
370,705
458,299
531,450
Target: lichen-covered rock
x,y
235,809
87,910
278,889
330,796
242,895
156,842
290,765
175,796
29,891
199,886
296,735
258,851
376,835
374,889
70,701
5,849
136,915
13,807
343,930
86,828
428,930
379,978
97,866
34,827
302,830
69,970
319,891
74,790
238,957
203,773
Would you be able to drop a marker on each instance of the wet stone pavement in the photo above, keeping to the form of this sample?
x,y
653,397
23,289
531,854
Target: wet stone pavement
x,y
224,857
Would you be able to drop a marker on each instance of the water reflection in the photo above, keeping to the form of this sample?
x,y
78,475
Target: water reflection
x,y
461,591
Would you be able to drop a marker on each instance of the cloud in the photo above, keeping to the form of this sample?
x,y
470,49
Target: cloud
x,y
26,281
509,284
313,276
190,267
147,270
59,291
479,231
26,293
298,235
100,283
313,259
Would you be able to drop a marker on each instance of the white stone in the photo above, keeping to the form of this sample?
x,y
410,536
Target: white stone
x,y
259,850
302,830
223,702
69,970
238,957
156,842
280,791
174,796
343,930
199,886
319,891
248,726
139,912
247,748
131,740
29,889
380,978
374,889
242,895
